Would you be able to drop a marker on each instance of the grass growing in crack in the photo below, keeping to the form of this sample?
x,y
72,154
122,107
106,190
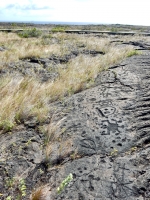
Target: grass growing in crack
x,y
18,188
6,125
64,183
22,188
40,193
133,53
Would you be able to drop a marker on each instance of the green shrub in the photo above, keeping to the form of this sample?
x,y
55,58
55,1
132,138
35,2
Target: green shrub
x,y
58,29
114,29
30,33
45,36
64,183
14,25
6,125
22,187
8,198
133,52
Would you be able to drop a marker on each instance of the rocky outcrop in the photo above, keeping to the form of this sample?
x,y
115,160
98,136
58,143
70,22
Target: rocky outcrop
x,y
43,68
109,129
100,136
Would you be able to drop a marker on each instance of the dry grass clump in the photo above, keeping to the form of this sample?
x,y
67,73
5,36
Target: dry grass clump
x,y
18,48
21,98
57,44
41,193
24,97
94,43
86,41
81,71
134,38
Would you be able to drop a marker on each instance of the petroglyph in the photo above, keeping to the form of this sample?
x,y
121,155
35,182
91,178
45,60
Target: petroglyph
x,y
112,124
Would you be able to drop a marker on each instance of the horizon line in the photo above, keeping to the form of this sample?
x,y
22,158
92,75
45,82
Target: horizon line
x,y
67,23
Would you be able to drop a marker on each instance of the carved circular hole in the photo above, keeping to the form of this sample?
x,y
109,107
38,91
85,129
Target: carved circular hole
x,y
91,188
119,144
74,175
83,133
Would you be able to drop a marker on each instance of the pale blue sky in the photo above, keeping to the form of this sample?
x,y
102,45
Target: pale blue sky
x,y
93,11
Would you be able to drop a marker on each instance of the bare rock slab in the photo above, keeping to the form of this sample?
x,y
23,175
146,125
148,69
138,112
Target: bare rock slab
x,y
100,135
109,129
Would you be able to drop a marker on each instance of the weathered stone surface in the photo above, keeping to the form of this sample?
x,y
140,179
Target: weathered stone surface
x,y
44,69
20,152
109,129
101,137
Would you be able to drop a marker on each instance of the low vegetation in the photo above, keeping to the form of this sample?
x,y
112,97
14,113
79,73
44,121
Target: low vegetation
x,y
58,44
28,101
24,97
40,193
12,183
58,29
27,33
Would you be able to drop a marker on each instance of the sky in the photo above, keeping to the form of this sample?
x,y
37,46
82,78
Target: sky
x,y
134,12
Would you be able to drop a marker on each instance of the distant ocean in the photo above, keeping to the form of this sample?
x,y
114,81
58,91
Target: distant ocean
x,y
46,22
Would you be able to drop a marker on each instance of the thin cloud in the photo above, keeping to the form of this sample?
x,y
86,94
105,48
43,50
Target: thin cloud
x,y
98,11
27,7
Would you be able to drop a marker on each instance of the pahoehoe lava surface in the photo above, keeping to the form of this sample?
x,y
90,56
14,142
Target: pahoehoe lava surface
x,y
103,139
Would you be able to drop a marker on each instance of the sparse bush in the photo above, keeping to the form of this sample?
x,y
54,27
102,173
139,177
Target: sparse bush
x,y
10,182
6,125
14,25
45,36
30,33
114,29
64,183
22,187
17,187
132,53
58,29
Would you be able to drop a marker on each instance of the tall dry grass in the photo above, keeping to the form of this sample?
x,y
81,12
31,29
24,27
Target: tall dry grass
x,y
19,48
24,97
55,44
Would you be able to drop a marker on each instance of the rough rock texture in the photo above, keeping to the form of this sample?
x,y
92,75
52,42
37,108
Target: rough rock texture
x,y
101,137
109,126
43,68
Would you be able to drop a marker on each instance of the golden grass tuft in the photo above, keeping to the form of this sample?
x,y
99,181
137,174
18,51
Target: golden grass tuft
x,y
24,97
21,96
41,193
58,44
19,48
